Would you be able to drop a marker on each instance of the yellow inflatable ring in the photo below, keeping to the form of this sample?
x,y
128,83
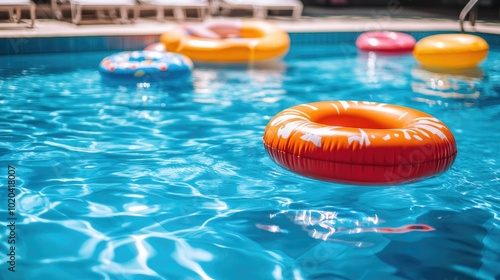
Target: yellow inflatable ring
x,y
228,41
451,51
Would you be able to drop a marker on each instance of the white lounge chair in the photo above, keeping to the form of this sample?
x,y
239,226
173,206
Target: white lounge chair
x,y
178,6
261,7
77,6
15,7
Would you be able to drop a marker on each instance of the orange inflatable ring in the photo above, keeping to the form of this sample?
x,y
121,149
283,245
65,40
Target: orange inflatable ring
x,y
228,41
360,142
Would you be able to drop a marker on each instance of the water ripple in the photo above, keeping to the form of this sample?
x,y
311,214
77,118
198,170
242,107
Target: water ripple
x,y
172,181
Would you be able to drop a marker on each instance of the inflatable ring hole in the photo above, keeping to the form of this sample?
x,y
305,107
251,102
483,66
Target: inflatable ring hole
x,y
363,122
226,32
139,73
375,39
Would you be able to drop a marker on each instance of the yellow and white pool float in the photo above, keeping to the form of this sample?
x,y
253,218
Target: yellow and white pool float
x,y
451,51
233,41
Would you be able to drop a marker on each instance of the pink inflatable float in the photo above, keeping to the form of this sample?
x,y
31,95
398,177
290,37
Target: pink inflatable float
x,y
159,47
385,42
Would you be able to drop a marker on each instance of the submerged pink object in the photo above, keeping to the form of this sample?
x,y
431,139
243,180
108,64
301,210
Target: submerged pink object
x,y
385,42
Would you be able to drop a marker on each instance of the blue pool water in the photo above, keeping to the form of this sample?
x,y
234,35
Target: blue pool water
x,y
172,181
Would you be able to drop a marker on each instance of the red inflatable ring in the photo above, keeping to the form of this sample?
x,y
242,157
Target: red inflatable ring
x,y
386,42
360,142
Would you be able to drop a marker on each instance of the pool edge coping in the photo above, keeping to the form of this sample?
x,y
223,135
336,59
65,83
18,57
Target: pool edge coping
x,y
53,28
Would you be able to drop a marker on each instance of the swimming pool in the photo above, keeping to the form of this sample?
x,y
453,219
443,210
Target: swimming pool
x,y
172,181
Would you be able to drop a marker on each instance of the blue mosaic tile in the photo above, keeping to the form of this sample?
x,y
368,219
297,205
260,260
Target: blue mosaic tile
x,y
12,46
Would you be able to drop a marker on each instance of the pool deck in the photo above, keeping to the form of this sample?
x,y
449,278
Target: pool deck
x,y
367,19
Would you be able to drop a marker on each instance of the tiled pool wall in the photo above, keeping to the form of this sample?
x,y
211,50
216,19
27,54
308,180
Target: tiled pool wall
x,y
28,45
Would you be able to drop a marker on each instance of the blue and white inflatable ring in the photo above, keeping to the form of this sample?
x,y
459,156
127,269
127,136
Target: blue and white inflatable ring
x,y
151,65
